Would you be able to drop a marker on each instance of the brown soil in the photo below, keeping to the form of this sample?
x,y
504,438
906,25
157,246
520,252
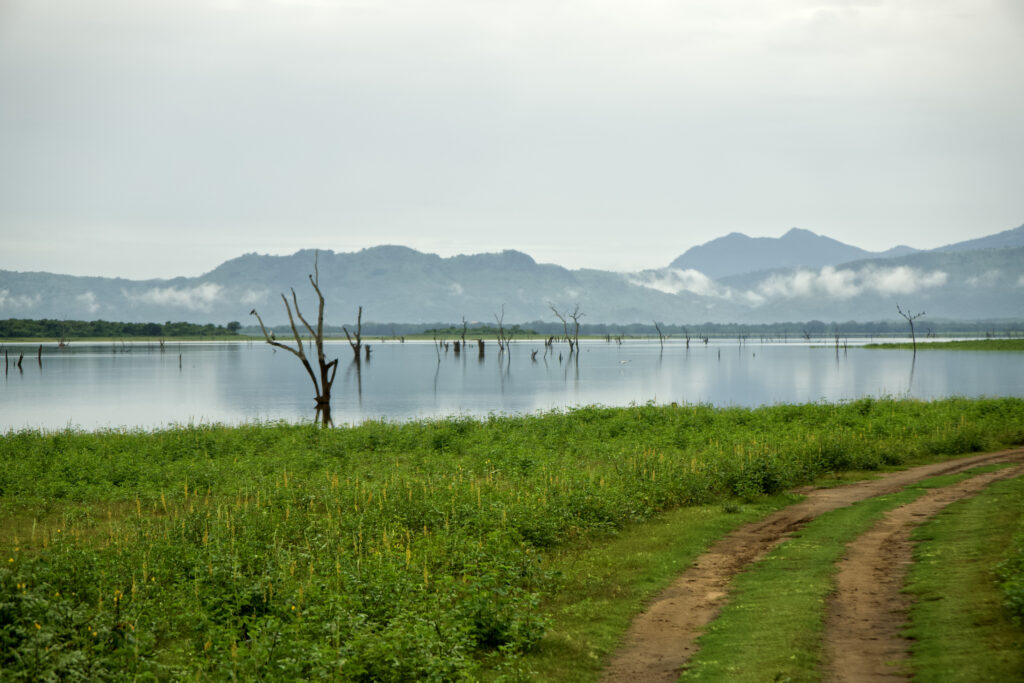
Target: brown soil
x,y
868,610
663,638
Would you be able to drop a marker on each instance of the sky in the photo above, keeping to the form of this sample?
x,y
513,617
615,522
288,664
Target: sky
x,y
158,138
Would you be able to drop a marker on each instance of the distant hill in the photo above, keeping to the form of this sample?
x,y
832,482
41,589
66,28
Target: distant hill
x,y
1002,240
737,253
393,284
402,285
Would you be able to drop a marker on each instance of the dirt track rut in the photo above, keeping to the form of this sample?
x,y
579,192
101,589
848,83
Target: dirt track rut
x,y
868,609
662,638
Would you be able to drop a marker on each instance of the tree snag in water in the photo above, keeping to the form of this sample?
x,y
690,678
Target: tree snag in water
x,y
358,335
910,317
574,338
327,369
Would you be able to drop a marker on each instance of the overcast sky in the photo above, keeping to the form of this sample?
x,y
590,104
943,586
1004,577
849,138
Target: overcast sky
x,y
155,138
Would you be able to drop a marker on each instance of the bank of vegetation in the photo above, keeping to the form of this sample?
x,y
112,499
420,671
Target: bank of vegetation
x,y
963,345
384,551
23,328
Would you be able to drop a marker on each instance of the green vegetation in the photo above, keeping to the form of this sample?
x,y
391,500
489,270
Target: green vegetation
x,y
15,328
606,582
1011,570
966,345
476,332
389,551
773,626
961,621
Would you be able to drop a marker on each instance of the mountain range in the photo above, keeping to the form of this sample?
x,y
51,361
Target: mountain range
x,y
735,278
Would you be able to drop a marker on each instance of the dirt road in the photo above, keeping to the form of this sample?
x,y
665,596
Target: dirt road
x,y
662,638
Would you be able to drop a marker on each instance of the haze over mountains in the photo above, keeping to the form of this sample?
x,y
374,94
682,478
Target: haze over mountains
x,y
735,278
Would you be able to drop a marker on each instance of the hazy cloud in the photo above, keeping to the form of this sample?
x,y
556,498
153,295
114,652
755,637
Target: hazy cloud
x,y
19,300
252,297
845,283
676,280
88,300
989,278
199,298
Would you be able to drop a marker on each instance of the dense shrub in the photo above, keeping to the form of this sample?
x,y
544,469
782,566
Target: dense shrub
x,y
384,551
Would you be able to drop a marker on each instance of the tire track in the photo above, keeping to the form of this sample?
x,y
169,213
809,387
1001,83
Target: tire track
x,y
661,639
868,611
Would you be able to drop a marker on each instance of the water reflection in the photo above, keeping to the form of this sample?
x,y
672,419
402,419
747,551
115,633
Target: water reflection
x,y
139,385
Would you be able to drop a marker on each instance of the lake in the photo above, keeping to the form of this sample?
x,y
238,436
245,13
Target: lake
x,y
98,386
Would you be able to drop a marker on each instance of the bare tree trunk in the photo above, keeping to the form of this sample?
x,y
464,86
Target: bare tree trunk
x,y
910,318
501,329
576,315
358,334
327,370
661,337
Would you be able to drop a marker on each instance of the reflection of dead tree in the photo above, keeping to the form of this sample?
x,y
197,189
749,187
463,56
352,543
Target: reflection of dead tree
x,y
327,369
910,317
358,334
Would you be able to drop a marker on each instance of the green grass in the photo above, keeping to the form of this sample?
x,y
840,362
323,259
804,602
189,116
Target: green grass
x,y
605,583
966,345
772,628
396,551
961,628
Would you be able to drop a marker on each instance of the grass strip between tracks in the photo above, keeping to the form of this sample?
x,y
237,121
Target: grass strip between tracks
x,y
961,628
773,625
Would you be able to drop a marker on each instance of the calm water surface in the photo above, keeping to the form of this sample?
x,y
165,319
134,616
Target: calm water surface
x,y
136,385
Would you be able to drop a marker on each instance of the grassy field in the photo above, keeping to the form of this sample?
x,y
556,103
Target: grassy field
x,y
966,345
428,550
962,620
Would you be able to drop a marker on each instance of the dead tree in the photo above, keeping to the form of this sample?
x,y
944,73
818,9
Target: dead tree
x,y
328,369
910,317
502,338
358,334
661,337
576,315
574,338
